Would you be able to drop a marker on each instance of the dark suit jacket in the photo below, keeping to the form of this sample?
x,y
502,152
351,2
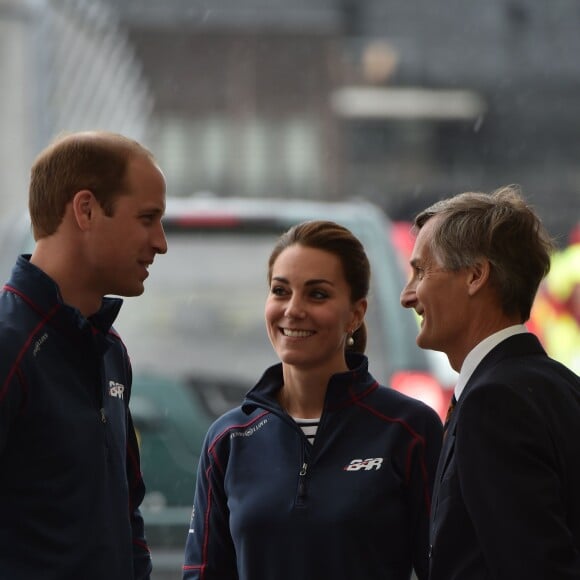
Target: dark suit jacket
x,y
506,501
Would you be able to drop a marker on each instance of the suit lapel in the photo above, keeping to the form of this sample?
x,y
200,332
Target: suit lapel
x,y
513,346
446,449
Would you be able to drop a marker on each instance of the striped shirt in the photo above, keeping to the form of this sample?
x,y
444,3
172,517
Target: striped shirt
x,y
309,427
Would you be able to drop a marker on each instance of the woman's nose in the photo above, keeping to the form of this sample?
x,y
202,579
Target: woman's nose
x,y
295,308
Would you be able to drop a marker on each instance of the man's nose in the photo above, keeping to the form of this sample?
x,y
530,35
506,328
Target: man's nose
x,y
408,296
159,240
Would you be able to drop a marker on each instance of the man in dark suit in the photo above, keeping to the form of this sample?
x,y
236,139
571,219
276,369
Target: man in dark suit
x,y
506,501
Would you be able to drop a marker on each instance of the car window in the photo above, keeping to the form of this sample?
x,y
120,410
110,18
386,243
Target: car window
x,y
203,310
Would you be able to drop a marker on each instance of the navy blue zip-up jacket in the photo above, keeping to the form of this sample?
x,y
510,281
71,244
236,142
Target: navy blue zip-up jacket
x,y
70,481
355,504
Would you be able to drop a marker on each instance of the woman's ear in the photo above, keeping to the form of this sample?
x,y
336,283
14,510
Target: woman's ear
x,y
359,311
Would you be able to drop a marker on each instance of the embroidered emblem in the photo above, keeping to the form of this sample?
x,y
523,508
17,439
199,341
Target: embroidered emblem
x,y
366,464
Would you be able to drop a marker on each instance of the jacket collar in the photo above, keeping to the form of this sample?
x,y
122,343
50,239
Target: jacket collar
x,y
42,293
343,388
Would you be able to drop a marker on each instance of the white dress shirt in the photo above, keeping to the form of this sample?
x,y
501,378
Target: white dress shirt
x,y
477,354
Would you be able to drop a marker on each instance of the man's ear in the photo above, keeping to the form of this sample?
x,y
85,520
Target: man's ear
x,y
478,275
83,207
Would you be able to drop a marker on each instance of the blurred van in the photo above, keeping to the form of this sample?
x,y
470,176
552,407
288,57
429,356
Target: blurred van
x,y
197,337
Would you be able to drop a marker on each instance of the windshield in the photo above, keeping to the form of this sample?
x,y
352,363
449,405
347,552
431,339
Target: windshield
x,y
203,310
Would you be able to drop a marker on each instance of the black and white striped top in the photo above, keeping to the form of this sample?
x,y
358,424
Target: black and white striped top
x,y
309,427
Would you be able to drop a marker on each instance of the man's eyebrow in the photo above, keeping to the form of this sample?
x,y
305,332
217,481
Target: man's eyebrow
x,y
153,209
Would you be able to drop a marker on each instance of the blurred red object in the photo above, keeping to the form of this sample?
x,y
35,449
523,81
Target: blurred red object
x,y
403,239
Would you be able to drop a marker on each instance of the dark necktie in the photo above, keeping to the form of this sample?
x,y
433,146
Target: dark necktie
x,y
449,413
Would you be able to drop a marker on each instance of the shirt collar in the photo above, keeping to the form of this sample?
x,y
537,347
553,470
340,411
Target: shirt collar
x,y
477,354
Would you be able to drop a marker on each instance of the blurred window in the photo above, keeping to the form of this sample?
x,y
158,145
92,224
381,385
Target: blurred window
x,y
202,311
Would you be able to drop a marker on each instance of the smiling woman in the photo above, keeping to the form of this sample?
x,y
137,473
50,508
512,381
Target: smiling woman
x,y
320,411
309,317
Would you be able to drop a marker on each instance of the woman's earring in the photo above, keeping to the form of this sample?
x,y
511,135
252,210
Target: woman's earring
x,y
350,341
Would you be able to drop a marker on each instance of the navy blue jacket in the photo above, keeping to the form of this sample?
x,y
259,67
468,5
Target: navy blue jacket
x,y
70,481
355,504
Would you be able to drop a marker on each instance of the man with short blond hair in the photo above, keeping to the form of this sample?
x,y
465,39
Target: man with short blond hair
x,y
70,478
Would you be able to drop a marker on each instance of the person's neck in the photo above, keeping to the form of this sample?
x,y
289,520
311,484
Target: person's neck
x,y
304,391
62,267
469,342
298,402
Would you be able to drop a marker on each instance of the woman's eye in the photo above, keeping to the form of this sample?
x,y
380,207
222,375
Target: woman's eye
x,y
277,290
319,294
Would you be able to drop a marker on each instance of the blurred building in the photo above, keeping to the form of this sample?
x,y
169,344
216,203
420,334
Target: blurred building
x,y
242,94
397,101
65,65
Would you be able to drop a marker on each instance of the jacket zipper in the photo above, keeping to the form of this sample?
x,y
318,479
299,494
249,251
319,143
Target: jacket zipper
x,y
101,394
301,493
300,500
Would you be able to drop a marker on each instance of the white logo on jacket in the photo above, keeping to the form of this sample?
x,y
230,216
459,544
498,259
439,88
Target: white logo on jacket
x,y
116,389
38,344
366,464
249,431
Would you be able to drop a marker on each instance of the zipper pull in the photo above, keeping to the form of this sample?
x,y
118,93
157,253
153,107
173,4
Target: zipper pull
x,y
302,484
103,416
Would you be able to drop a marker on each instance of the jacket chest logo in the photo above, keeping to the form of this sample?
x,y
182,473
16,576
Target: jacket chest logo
x,y
366,464
116,390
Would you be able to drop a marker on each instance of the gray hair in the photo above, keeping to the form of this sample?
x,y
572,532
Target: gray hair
x,y
500,227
